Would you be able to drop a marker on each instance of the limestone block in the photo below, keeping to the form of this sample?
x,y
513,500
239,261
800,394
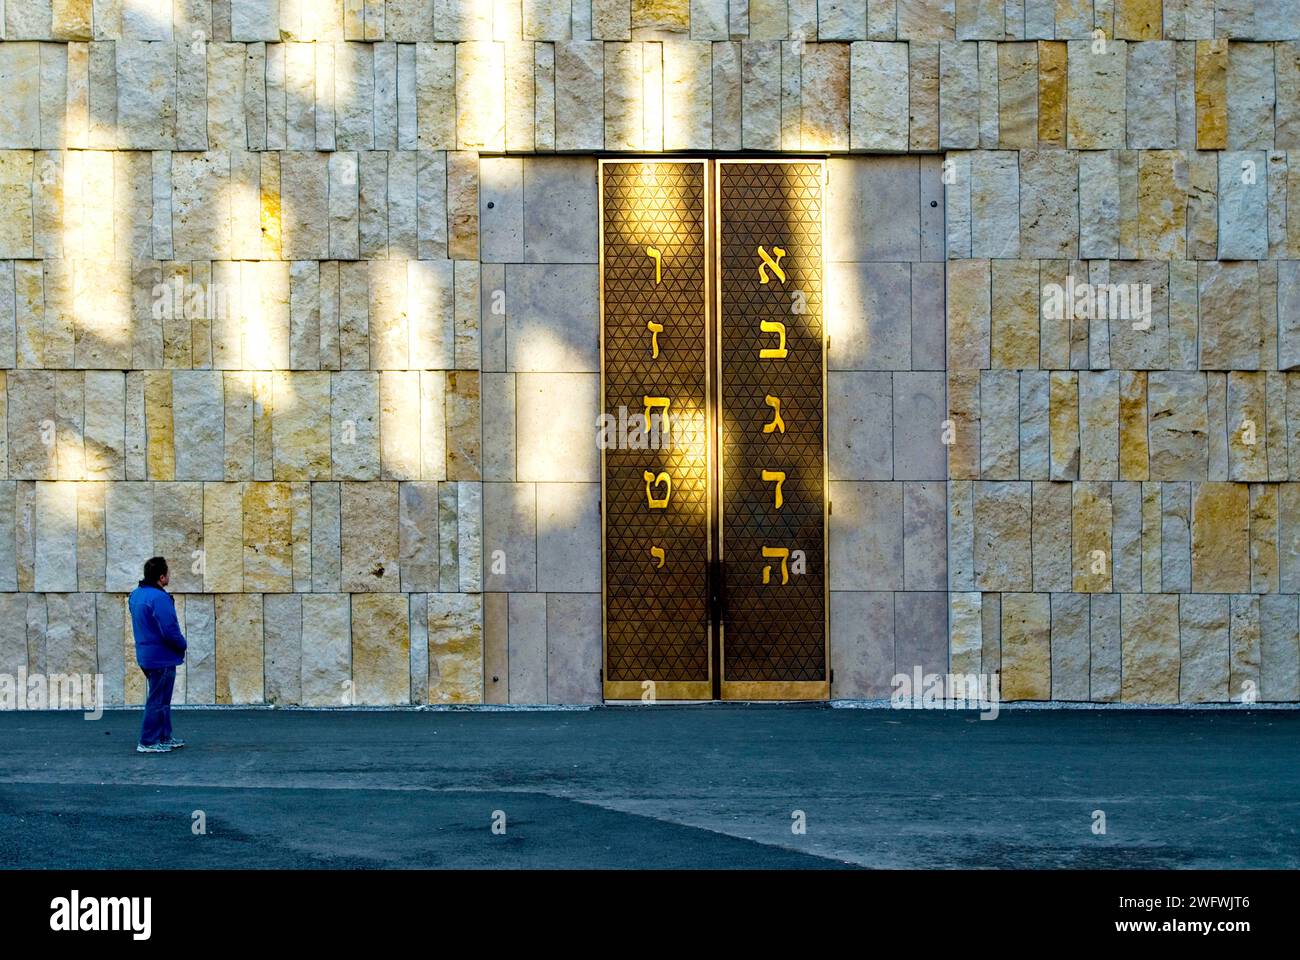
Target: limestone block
x,y
825,84
1098,203
568,538
455,645
1133,448
370,524
1151,78
283,642
354,416
501,209
552,318
1203,626
1099,425
146,92
381,649
1034,425
399,419
760,93
968,314
995,204
129,533
866,536
268,537
965,632
1092,536
925,561
198,411
1096,86
1264,556
1064,425
958,95
918,413
201,197
1220,538
1070,647
1052,516
1179,425
1002,536
239,646
560,221
688,102
1279,649
873,210
1014,300
1106,662
1244,640
879,88
55,536
20,76
527,646
429,313
327,650
300,426
480,82
1247,420
859,433
999,425
557,417
1150,647
305,220
435,92
326,543
1053,92
921,631
31,416
1251,96
1026,647
418,536
1049,209
15,203
1162,201
223,537
178,533
964,412
579,86
961,535
871,311
1243,206
862,644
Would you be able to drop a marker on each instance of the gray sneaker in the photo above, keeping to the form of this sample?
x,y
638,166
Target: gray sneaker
x,y
174,742
153,748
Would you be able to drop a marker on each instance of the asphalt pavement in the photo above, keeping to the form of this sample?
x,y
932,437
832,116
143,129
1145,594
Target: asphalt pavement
x,y
721,785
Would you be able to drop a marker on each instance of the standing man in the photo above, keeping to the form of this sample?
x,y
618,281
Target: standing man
x,y
159,649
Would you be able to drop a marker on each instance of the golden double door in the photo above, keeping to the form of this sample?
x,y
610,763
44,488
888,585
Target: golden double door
x,y
713,431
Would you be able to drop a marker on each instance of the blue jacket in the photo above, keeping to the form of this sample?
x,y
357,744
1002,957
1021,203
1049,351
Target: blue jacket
x,y
158,638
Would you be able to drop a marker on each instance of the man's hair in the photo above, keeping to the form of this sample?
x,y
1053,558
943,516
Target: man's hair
x,y
154,568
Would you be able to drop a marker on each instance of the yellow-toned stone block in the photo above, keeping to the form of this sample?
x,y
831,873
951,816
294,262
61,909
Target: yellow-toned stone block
x,y
268,537
1133,448
160,451
455,648
239,648
1212,94
1139,19
1092,535
1026,646
1053,92
381,648
1150,647
1220,538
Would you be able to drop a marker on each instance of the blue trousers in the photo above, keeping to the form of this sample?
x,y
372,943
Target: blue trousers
x,y
158,707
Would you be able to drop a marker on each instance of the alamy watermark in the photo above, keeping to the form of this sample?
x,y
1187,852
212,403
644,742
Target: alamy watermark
x,y
1098,301
947,691
53,691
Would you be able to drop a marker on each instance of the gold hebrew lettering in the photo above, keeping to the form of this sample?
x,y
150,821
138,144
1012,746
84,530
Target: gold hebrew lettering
x,y
765,261
657,256
658,554
657,503
650,404
773,353
777,423
655,329
778,476
772,553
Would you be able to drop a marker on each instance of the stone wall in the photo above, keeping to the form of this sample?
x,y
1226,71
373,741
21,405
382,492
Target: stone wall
x,y
249,319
